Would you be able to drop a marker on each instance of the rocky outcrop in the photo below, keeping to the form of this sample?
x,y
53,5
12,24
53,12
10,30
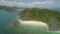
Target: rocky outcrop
x,y
54,25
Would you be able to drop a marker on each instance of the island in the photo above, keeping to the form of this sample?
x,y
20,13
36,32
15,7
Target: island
x,y
48,16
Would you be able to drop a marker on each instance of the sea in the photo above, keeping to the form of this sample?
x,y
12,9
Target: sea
x,y
6,17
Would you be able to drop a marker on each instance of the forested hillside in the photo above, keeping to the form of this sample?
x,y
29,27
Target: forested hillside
x,y
10,9
45,15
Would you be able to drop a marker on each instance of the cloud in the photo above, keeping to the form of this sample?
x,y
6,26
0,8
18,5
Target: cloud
x,y
20,4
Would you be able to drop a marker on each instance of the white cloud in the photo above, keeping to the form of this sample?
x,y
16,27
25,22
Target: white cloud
x,y
20,4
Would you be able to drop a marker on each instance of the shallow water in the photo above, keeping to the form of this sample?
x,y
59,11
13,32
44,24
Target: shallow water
x,y
32,29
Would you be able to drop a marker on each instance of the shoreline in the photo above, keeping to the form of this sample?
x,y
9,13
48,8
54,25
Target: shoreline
x,y
38,23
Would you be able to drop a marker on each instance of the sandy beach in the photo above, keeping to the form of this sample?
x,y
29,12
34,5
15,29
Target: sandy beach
x,y
39,23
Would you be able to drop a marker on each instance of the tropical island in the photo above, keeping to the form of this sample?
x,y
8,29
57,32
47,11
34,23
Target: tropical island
x,y
37,17
50,17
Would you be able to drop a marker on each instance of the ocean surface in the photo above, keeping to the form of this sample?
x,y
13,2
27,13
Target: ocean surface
x,y
6,17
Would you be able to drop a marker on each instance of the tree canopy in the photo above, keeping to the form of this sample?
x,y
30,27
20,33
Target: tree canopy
x,y
38,14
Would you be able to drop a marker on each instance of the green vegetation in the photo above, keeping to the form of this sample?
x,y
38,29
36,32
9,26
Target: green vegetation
x,y
39,14
9,9
45,15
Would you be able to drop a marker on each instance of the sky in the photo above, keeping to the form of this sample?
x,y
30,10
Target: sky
x,y
31,3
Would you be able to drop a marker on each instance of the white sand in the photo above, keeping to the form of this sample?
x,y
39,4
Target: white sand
x,y
33,23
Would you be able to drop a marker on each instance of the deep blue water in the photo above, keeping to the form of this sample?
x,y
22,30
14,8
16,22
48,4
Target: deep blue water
x,y
6,17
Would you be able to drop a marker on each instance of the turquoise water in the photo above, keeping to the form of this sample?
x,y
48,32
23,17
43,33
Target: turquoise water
x,y
32,29
6,17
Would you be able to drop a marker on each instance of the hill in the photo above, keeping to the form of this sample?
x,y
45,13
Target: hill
x,y
9,9
45,15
